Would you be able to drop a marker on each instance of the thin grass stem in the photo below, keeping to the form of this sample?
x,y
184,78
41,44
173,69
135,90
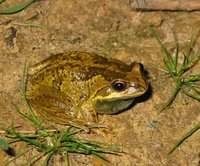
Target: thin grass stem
x,y
35,158
16,8
66,158
187,135
172,98
48,157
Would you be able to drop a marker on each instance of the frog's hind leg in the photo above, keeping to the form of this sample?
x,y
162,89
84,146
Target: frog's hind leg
x,y
55,106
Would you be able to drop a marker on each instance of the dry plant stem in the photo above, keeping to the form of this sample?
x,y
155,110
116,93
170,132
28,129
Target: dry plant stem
x,y
26,132
165,5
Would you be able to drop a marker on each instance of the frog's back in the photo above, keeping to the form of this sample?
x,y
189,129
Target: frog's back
x,y
62,59
68,59
81,63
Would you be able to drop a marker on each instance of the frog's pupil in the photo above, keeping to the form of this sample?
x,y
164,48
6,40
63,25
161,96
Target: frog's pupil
x,y
119,86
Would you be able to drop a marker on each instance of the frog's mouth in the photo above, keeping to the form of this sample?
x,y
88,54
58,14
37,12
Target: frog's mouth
x,y
133,90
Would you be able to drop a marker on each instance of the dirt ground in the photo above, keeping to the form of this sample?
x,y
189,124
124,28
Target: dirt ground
x,y
111,29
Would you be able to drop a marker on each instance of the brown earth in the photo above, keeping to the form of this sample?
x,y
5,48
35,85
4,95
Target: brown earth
x,y
111,29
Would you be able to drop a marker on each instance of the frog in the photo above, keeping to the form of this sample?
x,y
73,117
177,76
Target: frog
x,y
74,87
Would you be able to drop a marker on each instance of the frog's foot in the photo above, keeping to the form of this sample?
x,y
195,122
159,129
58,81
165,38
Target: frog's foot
x,y
84,124
95,116
97,126
80,123
89,126
102,120
102,131
98,129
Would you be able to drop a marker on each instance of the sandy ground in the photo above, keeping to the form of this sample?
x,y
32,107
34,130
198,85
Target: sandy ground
x,y
111,29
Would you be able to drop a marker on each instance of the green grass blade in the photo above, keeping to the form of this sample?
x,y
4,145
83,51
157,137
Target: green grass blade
x,y
193,87
98,155
67,134
191,95
191,43
184,66
33,142
169,67
169,62
187,135
88,145
17,8
189,85
32,115
1,1
35,158
193,78
196,85
13,139
9,131
189,61
66,158
169,59
194,59
47,159
172,98
4,144
21,112
176,45
23,90
32,24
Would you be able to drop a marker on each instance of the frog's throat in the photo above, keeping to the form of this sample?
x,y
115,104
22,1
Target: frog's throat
x,y
112,107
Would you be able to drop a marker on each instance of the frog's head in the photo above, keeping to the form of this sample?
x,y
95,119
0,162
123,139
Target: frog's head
x,y
119,91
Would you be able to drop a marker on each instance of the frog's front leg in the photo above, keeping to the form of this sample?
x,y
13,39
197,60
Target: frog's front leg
x,y
91,116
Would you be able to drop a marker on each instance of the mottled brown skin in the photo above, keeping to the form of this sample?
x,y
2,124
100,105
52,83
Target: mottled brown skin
x,y
72,87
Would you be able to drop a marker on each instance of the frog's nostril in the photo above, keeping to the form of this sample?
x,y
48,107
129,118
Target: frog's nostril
x,y
135,85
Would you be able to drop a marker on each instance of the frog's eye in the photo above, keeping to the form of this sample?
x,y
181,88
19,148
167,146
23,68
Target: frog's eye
x,y
119,85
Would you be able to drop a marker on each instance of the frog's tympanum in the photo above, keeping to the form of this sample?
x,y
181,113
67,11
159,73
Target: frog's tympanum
x,y
73,87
